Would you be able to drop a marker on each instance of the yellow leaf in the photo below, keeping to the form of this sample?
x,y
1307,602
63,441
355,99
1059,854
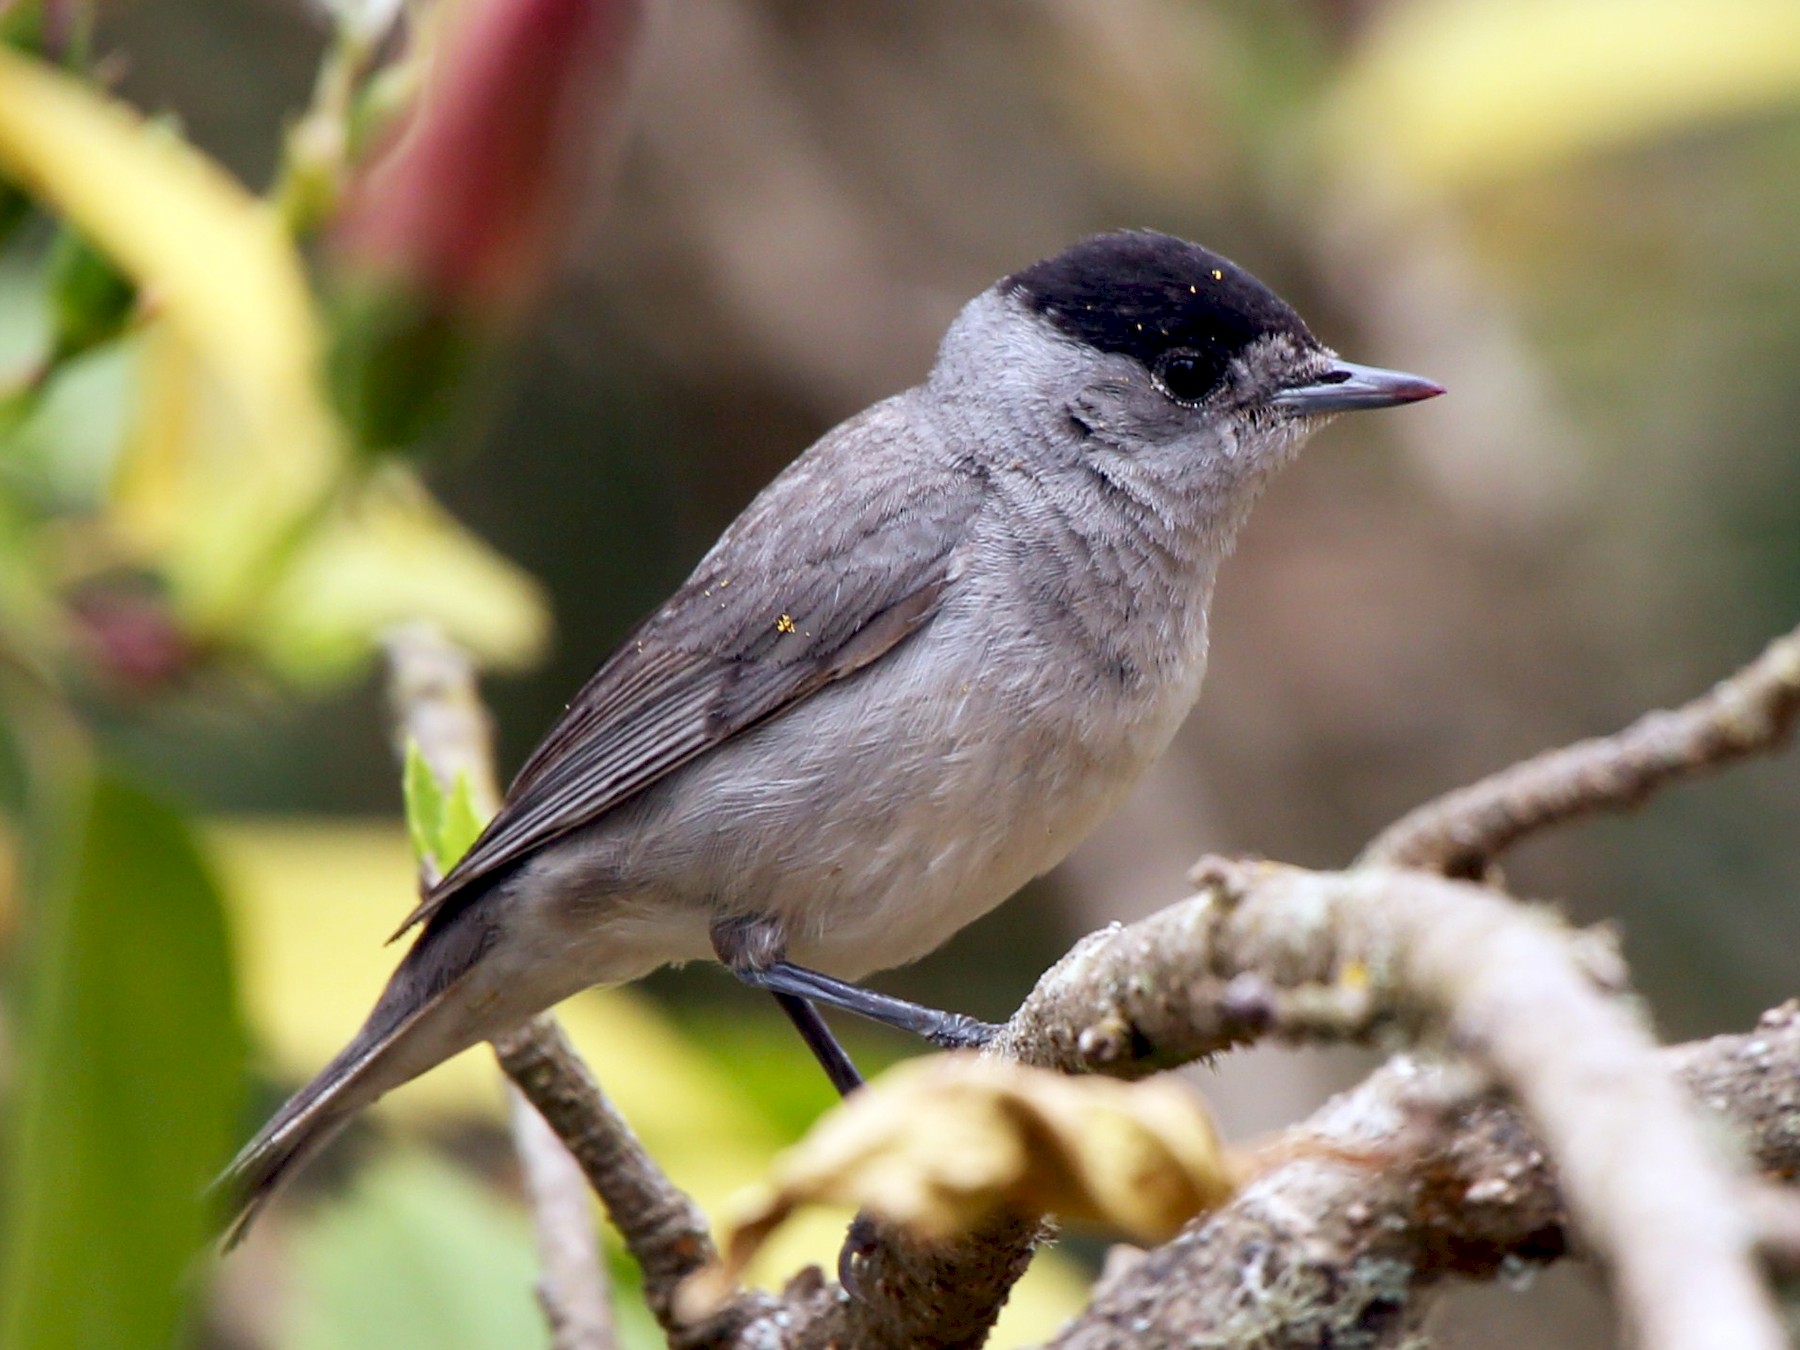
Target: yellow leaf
x,y
216,266
204,500
313,902
941,1144
1451,94
231,480
389,554
335,575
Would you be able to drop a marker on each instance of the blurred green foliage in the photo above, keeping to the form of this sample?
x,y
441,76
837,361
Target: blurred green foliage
x,y
178,510
424,1257
90,299
128,1095
396,365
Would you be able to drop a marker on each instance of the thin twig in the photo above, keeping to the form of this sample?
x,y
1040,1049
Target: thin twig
x,y
663,1229
1460,833
575,1305
438,707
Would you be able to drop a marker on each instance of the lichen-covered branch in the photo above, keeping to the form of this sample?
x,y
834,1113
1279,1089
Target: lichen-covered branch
x,y
1460,833
1392,1186
1320,1251
1275,949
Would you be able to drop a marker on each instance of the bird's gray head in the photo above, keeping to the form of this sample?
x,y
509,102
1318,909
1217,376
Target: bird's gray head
x,y
1158,351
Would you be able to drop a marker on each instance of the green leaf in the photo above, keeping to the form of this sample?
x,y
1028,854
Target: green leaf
x,y
442,824
461,823
90,299
397,366
129,1085
424,805
418,1257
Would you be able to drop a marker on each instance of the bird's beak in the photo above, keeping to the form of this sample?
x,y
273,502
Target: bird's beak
x,y
1348,386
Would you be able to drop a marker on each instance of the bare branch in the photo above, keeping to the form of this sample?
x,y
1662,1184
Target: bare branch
x,y
1460,833
908,1294
1273,950
432,687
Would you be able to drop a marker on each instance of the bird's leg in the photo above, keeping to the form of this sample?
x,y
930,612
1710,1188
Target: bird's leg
x,y
946,1030
755,951
832,1057
748,946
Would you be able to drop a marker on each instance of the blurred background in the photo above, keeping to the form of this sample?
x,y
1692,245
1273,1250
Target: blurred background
x,y
1579,215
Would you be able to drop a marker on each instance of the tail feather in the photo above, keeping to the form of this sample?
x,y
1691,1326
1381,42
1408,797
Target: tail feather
x,y
309,1120
417,1024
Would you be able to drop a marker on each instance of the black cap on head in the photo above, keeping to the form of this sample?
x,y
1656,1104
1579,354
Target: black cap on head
x,y
1143,294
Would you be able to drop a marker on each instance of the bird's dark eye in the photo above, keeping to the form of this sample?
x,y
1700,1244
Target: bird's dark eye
x,y
1186,375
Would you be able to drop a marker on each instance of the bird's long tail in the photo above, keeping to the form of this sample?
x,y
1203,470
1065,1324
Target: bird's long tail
x,y
419,1022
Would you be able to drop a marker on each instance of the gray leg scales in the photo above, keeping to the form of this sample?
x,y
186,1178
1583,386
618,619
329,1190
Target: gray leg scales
x,y
946,1030
752,949
832,1057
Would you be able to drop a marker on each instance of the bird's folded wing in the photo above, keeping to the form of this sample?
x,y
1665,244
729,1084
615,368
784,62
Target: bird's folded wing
x,y
725,654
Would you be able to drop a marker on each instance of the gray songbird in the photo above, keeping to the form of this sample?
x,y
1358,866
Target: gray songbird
x,y
917,669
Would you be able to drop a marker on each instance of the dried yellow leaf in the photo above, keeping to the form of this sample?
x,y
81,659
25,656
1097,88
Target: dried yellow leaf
x,y
939,1145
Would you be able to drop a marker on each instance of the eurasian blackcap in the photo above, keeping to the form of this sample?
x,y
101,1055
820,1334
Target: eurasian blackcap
x,y
917,669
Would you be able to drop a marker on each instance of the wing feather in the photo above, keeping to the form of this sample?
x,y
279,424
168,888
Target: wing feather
x,y
715,661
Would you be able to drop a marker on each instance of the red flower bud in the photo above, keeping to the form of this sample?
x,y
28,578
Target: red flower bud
x,y
131,640
468,209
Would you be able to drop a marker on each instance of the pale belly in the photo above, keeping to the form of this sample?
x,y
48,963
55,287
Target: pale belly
x,y
875,821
